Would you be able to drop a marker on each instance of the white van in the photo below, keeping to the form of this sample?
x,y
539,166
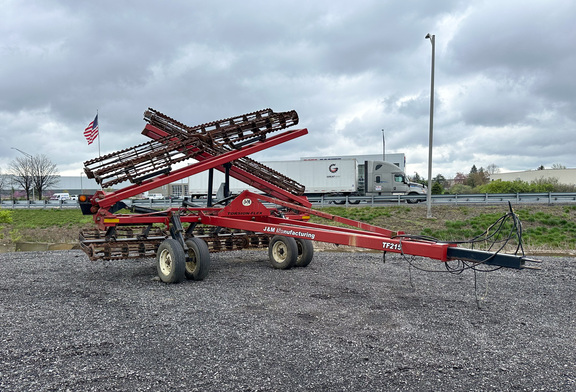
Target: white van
x,y
60,196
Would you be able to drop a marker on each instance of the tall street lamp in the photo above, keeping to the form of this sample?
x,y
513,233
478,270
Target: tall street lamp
x,y
23,152
429,194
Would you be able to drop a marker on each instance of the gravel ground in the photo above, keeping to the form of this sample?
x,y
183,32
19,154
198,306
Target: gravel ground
x,y
348,322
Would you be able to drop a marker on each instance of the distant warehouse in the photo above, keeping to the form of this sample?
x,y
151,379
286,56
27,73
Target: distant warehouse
x,y
564,176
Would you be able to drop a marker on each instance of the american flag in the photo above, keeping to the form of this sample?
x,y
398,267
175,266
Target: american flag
x,y
91,132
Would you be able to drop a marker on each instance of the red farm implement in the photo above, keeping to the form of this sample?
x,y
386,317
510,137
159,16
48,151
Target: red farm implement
x,y
278,218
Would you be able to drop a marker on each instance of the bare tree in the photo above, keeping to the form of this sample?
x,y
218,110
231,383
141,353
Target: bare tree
x,y
21,169
45,174
2,183
492,169
34,174
558,166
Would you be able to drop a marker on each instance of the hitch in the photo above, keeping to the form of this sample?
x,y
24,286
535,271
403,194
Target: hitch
x,y
490,258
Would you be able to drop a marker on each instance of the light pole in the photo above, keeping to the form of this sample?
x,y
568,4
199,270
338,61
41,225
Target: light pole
x,y
30,157
429,194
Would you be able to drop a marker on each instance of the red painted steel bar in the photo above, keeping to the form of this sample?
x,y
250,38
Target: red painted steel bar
x,y
248,178
328,234
106,200
310,211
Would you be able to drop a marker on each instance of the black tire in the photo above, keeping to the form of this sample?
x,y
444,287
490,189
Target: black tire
x,y
305,252
171,261
412,201
282,252
198,260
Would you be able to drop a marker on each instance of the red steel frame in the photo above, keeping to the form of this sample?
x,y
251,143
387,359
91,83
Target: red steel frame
x,y
107,200
236,172
248,213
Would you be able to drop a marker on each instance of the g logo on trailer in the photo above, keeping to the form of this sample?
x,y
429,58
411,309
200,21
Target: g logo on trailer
x,y
333,168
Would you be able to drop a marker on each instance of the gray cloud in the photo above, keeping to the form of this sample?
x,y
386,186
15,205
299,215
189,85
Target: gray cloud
x,y
505,91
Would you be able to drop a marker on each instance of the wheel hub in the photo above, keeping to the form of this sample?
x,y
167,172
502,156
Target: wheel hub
x,y
165,262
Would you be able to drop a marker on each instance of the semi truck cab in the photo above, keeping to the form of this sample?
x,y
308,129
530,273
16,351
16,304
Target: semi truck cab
x,y
385,178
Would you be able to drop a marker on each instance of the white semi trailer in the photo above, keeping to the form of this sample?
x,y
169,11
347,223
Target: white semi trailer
x,y
329,177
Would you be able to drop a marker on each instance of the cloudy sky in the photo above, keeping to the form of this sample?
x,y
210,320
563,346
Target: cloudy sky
x,y
505,76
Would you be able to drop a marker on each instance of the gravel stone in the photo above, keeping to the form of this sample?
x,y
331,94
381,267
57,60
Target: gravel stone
x,y
347,322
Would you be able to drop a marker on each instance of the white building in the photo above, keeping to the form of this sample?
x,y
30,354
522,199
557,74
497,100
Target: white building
x,y
564,176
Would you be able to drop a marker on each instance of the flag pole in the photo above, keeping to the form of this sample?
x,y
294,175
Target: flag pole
x,y
99,155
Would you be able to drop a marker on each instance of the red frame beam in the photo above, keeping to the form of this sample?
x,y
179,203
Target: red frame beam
x,y
248,178
107,200
329,234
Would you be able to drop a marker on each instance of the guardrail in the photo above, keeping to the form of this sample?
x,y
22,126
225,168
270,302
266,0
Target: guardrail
x,y
38,204
485,198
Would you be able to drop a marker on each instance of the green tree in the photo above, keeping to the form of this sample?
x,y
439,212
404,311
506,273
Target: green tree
x,y
477,177
537,186
470,177
416,178
437,189
441,180
500,186
460,189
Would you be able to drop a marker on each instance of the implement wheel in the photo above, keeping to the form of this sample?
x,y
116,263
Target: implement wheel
x,y
198,260
305,252
171,261
282,252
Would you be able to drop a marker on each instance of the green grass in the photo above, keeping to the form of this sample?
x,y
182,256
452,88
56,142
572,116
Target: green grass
x,y
540,229
548,227
551,227
367,214
44,218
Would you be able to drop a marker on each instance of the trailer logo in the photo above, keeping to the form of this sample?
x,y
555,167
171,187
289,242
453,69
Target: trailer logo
x,y
391,246
247,202
333,168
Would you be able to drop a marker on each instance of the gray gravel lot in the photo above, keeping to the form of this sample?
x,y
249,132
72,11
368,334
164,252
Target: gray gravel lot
x,y
348,322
